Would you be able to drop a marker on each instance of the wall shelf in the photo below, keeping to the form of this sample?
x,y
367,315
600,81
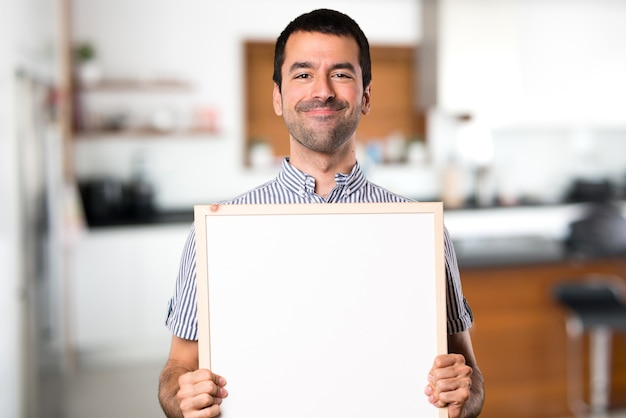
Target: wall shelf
x,y
139,86
147,133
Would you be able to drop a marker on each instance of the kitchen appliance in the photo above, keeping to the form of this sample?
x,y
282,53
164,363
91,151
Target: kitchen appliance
x,y
109,201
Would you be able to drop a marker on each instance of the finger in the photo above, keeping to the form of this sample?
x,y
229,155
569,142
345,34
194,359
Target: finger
x,y
215,390
452,391
209,388
204,380
217,386
450,374
448,360
432,396
200,389
213,411
430,393
218,380
456,397
449,385
205,400
197,376
197,405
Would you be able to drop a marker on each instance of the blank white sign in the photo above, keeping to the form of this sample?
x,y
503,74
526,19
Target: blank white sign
x,y
323,310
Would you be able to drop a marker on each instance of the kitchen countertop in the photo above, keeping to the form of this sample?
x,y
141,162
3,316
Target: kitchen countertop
x,y
158,218
506,251
485,237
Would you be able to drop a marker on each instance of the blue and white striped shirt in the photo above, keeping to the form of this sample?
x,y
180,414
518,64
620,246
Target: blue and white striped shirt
x,y
293,186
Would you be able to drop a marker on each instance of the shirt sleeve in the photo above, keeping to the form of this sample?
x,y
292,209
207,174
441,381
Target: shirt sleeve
x,y
458,311
182,312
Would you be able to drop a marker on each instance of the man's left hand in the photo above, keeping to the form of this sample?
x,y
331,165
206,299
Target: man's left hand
x,y
449,383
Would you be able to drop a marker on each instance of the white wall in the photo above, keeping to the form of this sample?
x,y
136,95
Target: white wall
x,y
550,63
27,43
10,349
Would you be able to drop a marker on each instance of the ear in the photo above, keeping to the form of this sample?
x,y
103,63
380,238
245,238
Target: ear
x,y
366,100
277,100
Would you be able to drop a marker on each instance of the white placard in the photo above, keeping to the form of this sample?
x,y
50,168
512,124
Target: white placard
x,y
323,310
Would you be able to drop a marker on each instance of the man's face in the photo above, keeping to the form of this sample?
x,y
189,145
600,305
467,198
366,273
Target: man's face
x,y
322,96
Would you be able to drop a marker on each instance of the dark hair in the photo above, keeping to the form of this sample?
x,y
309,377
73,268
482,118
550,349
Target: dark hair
x,y
328,22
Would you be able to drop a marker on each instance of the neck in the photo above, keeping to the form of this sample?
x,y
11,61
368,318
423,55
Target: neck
x,y
323,166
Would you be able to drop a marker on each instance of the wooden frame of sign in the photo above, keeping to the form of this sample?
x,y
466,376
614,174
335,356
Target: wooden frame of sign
x,y
312,310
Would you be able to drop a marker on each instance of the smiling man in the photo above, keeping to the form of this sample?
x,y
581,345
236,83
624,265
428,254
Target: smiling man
x,y
322,88
321,97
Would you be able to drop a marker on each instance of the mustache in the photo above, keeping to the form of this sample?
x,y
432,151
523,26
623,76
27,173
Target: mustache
x,y
330,103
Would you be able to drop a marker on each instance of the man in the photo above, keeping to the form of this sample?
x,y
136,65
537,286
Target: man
x,y
322,86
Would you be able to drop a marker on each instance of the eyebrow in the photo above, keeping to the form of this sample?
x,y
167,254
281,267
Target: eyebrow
x,y
306,64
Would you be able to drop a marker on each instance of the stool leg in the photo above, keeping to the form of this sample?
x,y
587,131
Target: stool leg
x,y
575,395
600,338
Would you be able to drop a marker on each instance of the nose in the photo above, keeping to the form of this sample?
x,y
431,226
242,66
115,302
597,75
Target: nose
x,y
323,89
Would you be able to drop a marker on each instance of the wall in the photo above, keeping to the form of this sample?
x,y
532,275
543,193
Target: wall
x,y
10,307
550,63
27,43
544,75
202,41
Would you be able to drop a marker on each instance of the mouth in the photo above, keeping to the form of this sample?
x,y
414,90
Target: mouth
x,y
317,108
322,112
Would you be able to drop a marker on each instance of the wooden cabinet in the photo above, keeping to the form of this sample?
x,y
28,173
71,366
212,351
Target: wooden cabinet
x,y
122,279
520,341
394,87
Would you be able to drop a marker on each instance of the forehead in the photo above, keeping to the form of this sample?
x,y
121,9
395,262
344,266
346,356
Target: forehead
x,y
320,47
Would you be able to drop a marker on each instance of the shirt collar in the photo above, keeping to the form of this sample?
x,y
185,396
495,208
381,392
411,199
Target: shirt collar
x,y
302,183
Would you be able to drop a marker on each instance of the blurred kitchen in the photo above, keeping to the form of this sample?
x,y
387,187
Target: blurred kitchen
x,y
118,116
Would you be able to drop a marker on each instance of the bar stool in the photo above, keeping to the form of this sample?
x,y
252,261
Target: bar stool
x,y
595,304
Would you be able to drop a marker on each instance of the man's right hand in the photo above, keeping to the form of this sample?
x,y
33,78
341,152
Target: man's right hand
x,y
201,393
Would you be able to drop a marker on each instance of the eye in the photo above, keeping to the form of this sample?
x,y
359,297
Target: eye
x,y
302,76
346,76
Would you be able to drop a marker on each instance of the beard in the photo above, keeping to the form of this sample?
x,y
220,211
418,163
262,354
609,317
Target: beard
x,y
324,133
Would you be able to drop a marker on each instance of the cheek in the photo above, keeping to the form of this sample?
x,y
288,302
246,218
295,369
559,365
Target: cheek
x,y
289,100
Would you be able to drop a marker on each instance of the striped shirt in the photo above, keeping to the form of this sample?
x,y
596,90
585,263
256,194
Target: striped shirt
x,y
293,186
